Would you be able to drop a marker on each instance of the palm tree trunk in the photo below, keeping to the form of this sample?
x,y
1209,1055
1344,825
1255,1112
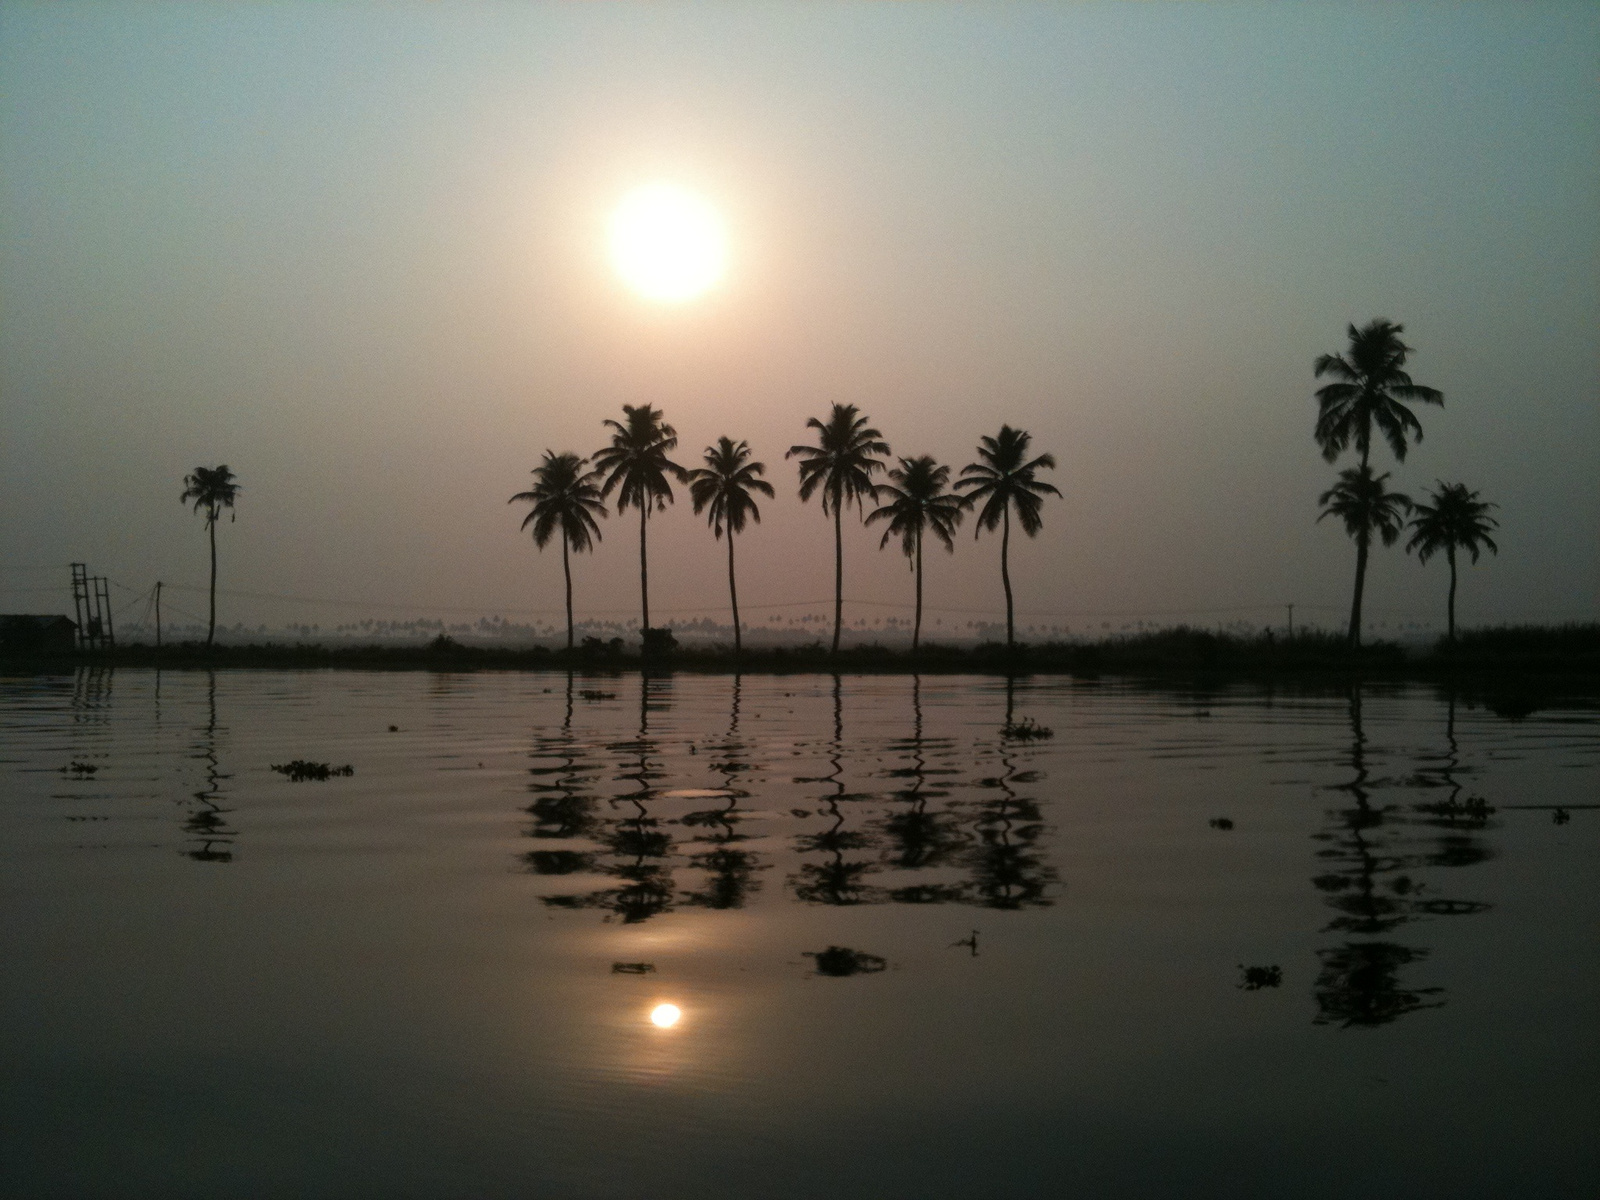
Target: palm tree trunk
x,y
838,575
1361,580
733,595
211,629
1005,570
644,572
916,629
1450,636
566,569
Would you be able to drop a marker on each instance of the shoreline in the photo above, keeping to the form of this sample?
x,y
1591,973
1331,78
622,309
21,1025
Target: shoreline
x,y
1563,659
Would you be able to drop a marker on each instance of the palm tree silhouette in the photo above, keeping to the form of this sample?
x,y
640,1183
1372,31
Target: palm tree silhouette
x,y
1371,388
564,497
1456,520
212,489
724,485
918,503
636,462
1005,479
1360,500
842,465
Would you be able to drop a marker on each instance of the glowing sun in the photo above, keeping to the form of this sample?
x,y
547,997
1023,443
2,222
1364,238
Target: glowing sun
x,y
667,243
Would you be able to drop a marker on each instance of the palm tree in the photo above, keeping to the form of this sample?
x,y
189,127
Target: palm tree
x,y
919,503
842,465
636,462
564,497
1456,519
1005,479
724,485
1360,500
1371,388
212,489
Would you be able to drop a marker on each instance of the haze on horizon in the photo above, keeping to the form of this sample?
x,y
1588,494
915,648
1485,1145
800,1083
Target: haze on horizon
x,y
359,255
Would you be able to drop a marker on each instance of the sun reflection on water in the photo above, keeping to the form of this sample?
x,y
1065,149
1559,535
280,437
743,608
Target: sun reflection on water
x,y
665,1016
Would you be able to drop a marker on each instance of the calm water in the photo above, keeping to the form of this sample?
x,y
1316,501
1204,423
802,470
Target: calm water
x,y
221,982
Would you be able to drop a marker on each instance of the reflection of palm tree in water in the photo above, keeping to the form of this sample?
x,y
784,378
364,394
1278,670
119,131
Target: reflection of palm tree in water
x,y
728,868
561,809
919,839
639,850
1007,869
210,837
1359,981
835,881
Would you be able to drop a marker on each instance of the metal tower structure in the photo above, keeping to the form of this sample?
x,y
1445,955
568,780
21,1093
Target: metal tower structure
x,y
91,599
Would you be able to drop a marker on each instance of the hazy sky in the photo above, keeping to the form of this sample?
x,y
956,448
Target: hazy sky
x,y
358,254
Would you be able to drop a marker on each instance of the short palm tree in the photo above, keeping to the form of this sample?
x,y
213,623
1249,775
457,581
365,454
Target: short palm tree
x,y
841,464
723,486
564,497
1003,479
212,489
1370,388
636,466
918,502
1456,520
1366,507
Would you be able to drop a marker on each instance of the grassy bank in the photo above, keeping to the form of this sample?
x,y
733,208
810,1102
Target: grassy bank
x,y
1534,656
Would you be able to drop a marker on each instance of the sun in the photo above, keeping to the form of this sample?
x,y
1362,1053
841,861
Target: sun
x,y
667,243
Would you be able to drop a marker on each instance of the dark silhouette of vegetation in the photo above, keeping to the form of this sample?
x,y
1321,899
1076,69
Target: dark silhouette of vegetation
x,y
841,961
1003,479
1366,507
564,497
1456,520
636,466
723,486
842,464
212,489
1370,388
299,770
918,503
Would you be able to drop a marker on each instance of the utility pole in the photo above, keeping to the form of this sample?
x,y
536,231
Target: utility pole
x,y
158,614
1291,618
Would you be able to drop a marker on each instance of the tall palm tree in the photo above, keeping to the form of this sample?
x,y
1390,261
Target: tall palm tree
x,y
1004,479
842,464
724,485
1366,507
1371,388
918,503
636,462
564,497
1456,520
212,489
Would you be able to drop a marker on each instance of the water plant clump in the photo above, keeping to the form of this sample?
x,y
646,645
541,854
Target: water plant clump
x,y
1026,730
300,770
633,968
1221,823
840,961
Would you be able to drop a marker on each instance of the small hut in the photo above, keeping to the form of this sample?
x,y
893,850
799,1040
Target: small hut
x,y
35,633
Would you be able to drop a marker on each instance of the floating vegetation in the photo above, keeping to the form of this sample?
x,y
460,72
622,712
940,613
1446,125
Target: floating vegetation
x,y
394,729
1475,808
1220,823
632,968
1254,979
1561,816
591,694
840,961
300,770
1026,730
80,769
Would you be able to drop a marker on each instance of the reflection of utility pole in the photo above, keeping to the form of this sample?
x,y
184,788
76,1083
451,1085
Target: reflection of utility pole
x,y
1291,619
158,614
